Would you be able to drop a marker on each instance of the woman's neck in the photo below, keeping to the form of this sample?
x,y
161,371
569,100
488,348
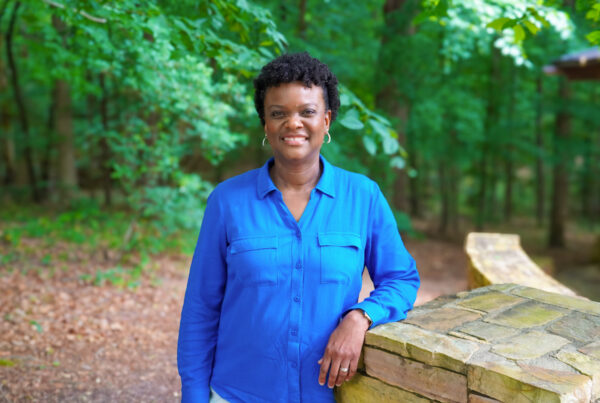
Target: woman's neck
x,y
297,177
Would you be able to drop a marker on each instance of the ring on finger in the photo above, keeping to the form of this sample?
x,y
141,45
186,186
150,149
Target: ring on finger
x,y
343,369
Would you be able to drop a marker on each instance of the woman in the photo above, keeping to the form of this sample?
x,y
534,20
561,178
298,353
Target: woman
x,y
270,311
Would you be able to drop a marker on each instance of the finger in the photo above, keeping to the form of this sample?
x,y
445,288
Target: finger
x,y
343,374
353,368
324,362
333,373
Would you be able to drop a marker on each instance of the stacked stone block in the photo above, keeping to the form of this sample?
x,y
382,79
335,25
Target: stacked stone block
x,y
507,343
499,258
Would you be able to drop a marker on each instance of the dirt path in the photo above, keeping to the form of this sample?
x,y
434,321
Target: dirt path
x,y
62,340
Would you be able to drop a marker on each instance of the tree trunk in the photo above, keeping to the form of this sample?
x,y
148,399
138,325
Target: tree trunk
x,y
7,143
398,18
67,170
105,154
540,189
301,28
453,192
46,159
27,150
444,208
491,119
414,195
508,161
560,184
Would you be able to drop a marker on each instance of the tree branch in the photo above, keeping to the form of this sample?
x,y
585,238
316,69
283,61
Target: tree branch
x,y
83,13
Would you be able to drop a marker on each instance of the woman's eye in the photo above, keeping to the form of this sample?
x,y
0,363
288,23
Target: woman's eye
x,y
309,112
276,114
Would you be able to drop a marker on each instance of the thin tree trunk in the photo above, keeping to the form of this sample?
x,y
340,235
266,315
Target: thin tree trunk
x,y
508,162
67,170
540,188
8,146
46,160
27,150
414,195
587,176
453,185
490,123
398,17
105,154
560,184
443,186
301,28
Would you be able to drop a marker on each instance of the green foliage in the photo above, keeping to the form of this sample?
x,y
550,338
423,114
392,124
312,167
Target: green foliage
x,y
4,362
116,276
441,91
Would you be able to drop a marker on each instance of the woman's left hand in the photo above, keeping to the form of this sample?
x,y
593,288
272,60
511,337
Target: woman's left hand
x,y
343,349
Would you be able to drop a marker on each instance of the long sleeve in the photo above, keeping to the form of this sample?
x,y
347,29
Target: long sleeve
x,y
202,306
390,266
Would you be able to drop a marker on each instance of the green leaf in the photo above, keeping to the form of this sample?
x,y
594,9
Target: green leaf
x,y
412,173
390,145
344,100
380,128
519,33
351,120
370,145
593,37
498,23
531,27
37,326
398,163
7,363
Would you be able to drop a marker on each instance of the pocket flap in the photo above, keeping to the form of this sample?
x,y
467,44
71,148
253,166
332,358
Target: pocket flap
x,y
254,243
339,239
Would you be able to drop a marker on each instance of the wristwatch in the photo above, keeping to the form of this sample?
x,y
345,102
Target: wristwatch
x,y
366,315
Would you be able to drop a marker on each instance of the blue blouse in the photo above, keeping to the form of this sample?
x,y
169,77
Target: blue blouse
x,y
265,292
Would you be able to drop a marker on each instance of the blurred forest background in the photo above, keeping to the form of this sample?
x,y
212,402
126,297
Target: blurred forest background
x,y
118,118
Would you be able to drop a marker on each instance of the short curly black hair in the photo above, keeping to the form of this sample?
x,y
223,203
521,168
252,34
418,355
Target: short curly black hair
x,y
300,67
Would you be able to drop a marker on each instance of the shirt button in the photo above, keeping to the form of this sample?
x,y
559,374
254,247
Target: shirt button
x,y
294,332
298,235
298,265
297,298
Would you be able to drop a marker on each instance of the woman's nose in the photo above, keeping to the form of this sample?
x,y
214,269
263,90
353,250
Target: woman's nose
x,y
294,121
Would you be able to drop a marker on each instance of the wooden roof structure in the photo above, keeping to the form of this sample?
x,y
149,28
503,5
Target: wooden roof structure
x,y
582,65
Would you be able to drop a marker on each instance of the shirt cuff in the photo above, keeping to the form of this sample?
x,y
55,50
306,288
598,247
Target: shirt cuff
x,y
195,394
372,309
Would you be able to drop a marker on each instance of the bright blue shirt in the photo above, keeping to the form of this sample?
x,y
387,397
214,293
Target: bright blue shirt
x,y
265,292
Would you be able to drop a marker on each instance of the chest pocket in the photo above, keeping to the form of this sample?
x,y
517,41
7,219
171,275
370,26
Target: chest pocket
x,y
340,256
253,261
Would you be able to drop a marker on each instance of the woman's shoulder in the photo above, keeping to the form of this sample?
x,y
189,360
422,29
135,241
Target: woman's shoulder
x,y
346,178
237,185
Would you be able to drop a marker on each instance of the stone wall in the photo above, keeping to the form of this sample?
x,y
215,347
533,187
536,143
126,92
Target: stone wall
x,y
499,259
506,343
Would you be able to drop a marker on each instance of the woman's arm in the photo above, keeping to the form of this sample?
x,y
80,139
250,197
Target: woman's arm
x,y
391,267
396,281
202,306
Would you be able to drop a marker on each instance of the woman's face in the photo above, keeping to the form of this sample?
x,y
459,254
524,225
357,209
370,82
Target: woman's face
x,y
296,121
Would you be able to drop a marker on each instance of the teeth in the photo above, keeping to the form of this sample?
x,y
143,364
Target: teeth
x,y
294,139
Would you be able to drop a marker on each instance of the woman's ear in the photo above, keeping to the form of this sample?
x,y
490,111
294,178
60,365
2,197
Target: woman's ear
x,y
327,119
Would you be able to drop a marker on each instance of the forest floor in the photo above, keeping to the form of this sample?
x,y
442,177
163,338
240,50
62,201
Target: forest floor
x,y
63,339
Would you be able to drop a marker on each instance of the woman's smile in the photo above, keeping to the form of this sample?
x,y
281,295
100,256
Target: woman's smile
x,y
296,121
294,140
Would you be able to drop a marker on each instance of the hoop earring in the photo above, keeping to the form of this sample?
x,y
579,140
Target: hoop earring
x,y
264,139
328,138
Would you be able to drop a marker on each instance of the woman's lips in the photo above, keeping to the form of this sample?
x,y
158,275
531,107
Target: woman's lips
x,y
294,140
